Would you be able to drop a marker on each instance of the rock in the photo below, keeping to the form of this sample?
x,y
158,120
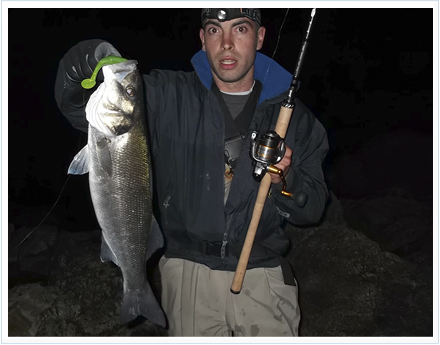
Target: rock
x,y
348,284
349,287
30,253
27,241
88,294
400,225
25,305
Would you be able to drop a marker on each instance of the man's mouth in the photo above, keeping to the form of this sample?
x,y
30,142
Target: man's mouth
x,y
228,62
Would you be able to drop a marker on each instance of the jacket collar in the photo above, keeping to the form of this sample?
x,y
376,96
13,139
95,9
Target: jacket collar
x,y
275,79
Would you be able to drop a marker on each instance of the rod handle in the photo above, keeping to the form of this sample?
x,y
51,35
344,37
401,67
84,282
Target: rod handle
x,y
283,121
237,282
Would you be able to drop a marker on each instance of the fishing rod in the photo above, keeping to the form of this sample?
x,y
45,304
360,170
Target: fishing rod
x,y
268,149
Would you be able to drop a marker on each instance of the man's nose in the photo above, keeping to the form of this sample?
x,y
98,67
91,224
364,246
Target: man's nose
x,y
228,42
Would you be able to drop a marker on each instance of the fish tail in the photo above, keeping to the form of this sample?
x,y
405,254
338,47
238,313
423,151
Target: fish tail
x,y
141,302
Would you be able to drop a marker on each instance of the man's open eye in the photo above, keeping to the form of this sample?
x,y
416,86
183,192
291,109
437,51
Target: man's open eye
x,y
212,30
242,29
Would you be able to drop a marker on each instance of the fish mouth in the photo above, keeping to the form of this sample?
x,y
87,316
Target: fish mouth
x,y
113,111
119,71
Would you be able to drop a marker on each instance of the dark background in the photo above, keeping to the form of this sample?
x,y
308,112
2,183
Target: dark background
x,y
367,73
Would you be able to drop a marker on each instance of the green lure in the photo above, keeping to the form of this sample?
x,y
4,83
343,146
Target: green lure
x,y
108,60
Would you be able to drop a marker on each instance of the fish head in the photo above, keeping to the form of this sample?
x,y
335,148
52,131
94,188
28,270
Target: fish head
x,y
114,107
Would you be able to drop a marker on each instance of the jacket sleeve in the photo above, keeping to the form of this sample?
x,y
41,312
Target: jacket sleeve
x,y
308,140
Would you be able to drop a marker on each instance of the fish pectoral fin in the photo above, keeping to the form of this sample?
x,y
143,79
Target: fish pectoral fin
x,y
155,239
80,163
107,254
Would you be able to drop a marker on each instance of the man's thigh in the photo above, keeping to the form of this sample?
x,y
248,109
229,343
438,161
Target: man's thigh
x,y
265,305
198,301
193,298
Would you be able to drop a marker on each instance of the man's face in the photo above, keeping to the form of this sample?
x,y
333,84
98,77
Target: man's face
x,y
231,47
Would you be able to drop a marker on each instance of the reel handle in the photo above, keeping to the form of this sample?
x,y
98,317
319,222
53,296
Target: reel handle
x,y
274,170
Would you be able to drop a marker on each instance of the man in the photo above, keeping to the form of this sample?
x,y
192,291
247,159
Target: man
x,y
200,123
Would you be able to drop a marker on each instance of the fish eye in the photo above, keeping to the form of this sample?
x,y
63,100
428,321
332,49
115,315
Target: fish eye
x,y
130,91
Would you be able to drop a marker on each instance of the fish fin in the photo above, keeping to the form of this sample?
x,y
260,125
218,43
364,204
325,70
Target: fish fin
x,y
143,302
80,163
104,156
155,239
107,253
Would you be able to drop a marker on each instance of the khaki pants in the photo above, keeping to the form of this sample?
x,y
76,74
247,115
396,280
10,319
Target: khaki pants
x,y
197,301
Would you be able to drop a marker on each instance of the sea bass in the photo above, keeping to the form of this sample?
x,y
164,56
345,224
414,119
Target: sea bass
x,y
117,159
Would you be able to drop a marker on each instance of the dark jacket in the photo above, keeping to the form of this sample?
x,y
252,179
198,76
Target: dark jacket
x,y
186,128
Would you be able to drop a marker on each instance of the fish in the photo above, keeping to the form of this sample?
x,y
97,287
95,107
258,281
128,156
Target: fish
x,y
117,159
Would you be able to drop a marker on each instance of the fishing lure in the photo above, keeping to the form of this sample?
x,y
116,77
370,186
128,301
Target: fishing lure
x,y
108,60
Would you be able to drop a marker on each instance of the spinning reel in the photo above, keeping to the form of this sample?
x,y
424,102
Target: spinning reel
x,y
267,149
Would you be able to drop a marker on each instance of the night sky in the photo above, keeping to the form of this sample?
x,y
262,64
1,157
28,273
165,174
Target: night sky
x,y
367,72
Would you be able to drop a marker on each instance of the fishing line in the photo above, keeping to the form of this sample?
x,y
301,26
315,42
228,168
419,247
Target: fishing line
x,y
279,33
276,46
53,206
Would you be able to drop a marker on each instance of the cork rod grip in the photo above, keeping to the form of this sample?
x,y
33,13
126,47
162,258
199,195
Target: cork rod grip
x,y
283,121
237,282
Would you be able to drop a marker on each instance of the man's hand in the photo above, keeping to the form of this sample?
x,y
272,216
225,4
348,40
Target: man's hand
x,y
80,62
284,165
